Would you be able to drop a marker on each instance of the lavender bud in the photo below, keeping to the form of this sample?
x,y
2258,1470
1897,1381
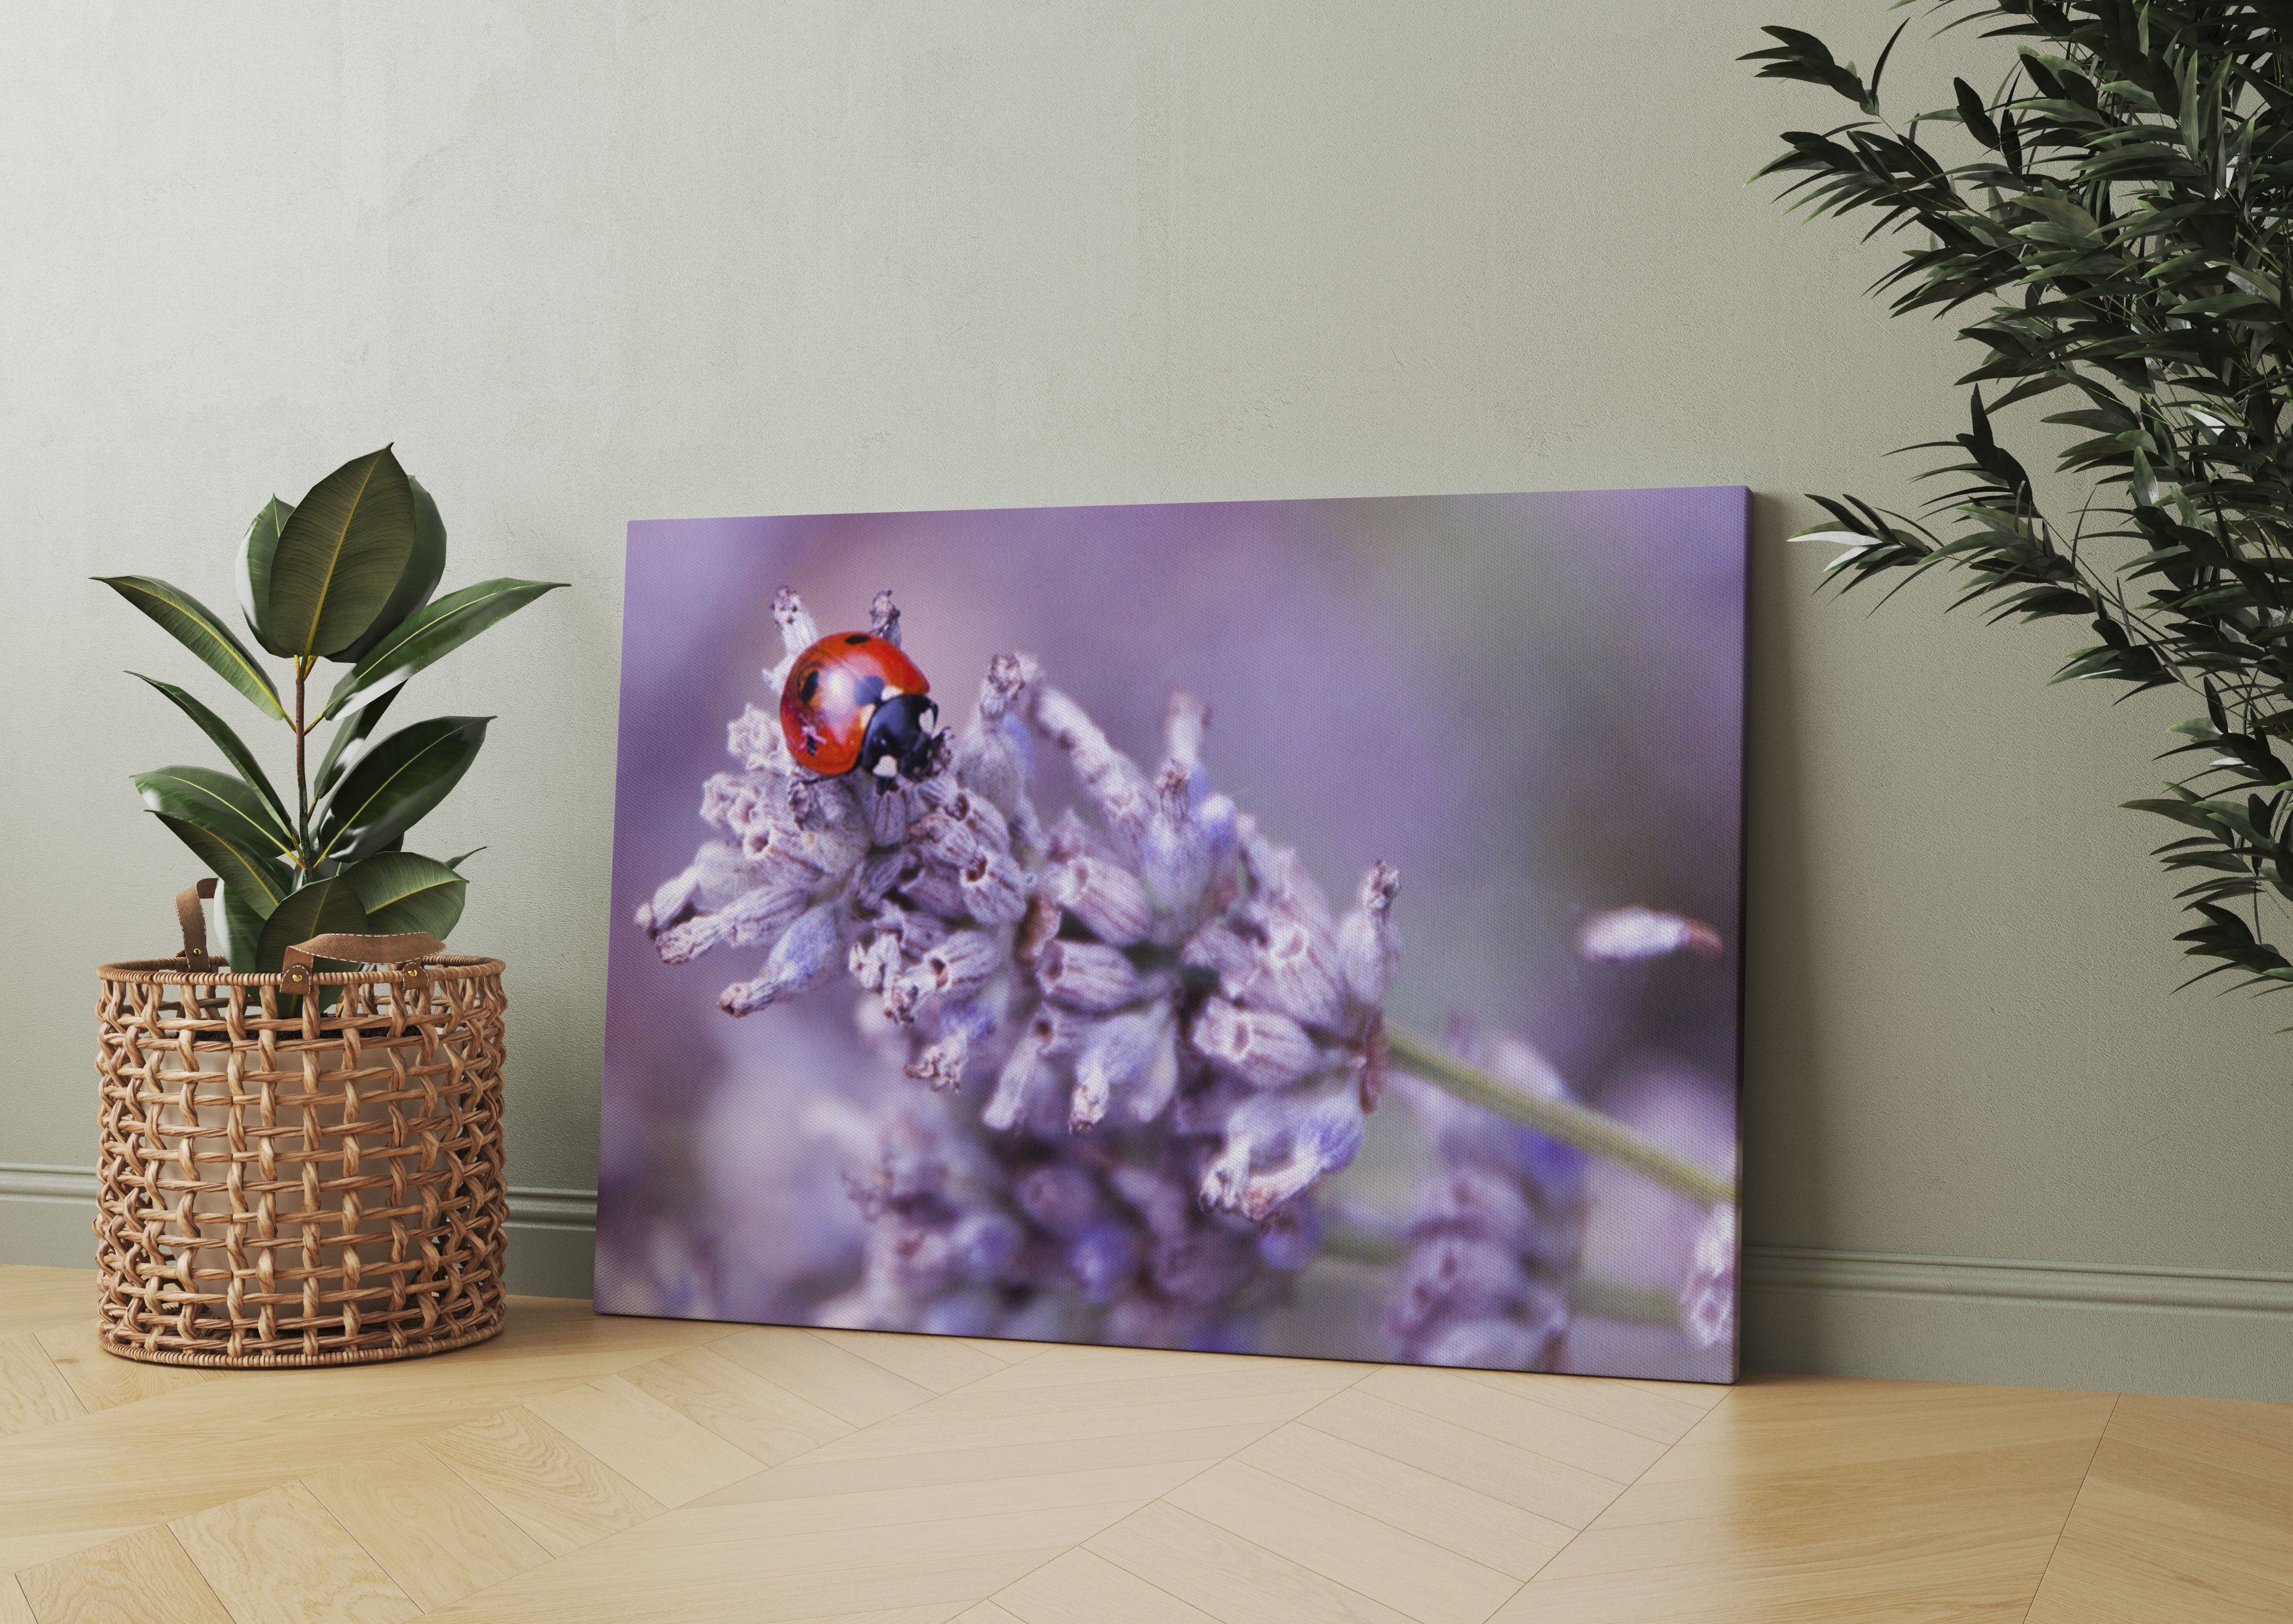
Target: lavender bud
x,y
1452,1277
1087,976
754,739
1624,936
759,915
1201,1269
884,617
1104,898
1536,1342
1048,1035
1119,1054
1296,972
1707,1299
798,633
1278,1144
1063,1198
940,1064
995,892
1291,1237
1175,858
1184,720
875,961
952,969
1103,1258
1264,1050
887,813
984,1245
1368,947
806,952
1112,778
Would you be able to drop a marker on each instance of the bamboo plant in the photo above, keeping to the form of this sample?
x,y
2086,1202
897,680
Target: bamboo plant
x,y
346,576
2110,223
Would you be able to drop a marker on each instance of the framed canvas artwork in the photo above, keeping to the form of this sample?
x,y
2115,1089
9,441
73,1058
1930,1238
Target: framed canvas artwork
x,y
1303,928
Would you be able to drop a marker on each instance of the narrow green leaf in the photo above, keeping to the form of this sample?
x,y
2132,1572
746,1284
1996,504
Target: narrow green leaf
x,y
234,748
423,565
256,548
262,880
455,863
429,636
403,891
396,783
195,626
217,801
349,743
321,908
340,556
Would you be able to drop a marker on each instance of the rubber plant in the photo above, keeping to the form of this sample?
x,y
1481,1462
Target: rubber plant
x,y
2109,223
346,576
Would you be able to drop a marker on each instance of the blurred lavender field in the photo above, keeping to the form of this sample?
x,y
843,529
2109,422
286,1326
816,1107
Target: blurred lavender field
x,y
1529,706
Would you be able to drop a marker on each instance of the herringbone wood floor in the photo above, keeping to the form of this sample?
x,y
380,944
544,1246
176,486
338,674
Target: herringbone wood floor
x,y
620,1470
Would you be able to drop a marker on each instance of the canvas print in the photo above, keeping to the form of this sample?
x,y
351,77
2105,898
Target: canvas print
x,y
1302,928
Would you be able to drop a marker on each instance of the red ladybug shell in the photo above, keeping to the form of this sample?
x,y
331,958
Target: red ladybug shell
x,y
832,691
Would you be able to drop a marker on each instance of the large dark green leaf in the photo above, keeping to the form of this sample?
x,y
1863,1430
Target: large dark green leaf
x,y
242,928
396,783
349,743
321,908
401,891
430,634
256,548
340,556
216,801
234,748
262,880
423,565
195,626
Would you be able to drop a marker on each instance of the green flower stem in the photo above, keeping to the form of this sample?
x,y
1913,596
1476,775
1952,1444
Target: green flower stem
x,y
1587,1130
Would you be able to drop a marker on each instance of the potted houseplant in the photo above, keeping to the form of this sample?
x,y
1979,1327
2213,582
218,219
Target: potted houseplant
x,y
301,1138
346,576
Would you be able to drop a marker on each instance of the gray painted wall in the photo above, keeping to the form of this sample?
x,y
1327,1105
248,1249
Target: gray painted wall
x,y
587,262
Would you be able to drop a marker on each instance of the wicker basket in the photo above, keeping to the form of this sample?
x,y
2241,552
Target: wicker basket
x,y
293,1176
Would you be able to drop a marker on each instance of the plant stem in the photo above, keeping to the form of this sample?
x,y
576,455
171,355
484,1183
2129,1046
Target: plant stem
x,y
1571,1124
302,783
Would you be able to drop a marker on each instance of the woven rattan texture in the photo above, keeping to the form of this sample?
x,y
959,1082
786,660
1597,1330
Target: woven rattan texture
x,y
284,1184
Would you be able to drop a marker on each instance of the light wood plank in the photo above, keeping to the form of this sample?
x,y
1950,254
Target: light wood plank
x,y
1628,1405
143,1578
561,1495
102,1379
2158,1535
755,1414
438,1537
842,1384
1413,1577
13,1608
34,1298
941,1363
1512,1417
1489,1531
1083,1588
985,1613
33,1393
30,1550
1555,1491
1228,1577
1186,1449
280,1557
1003,1352
664,1452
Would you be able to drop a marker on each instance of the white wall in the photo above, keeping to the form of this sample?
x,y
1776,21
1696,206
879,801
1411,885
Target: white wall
x,y
585,263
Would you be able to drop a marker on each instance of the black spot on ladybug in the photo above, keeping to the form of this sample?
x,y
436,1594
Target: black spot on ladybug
x,y
854,639
810,686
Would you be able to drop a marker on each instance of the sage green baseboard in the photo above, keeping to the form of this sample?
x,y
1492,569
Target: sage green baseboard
x,y
2210,1333
45,1212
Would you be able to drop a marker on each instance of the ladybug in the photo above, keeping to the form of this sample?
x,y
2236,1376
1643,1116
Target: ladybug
x,y
854,703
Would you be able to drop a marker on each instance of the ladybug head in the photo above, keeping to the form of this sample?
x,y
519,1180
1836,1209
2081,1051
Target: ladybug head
x,y
903,740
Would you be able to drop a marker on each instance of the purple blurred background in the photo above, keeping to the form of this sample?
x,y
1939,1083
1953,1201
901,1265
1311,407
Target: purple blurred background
x,y
1531,704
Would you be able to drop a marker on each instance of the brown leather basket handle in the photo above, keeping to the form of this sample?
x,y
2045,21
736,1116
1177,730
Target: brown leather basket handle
x,y
297,964
193,918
